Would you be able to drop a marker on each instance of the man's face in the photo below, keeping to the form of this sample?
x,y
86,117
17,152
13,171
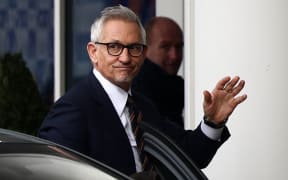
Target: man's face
x,y
120,70
165,47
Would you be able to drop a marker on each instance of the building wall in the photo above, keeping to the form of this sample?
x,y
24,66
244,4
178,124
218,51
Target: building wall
x,y
249,39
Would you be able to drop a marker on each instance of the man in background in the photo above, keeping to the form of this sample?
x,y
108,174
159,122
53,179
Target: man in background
x,y
158,79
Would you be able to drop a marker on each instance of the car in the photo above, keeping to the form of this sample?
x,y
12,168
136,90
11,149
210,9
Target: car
x,y
23,156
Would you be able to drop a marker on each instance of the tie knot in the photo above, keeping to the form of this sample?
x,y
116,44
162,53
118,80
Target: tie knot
x,y
130,99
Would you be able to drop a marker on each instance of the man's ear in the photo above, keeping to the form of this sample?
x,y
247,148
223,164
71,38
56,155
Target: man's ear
x,y
91,49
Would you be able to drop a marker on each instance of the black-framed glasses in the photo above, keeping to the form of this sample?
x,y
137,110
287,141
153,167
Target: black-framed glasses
x,y
115,49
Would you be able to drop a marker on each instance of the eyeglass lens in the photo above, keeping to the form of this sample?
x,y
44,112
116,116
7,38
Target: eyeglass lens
x,y
117,48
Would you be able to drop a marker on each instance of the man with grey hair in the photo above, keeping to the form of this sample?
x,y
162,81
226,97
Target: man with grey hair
x,y
92,117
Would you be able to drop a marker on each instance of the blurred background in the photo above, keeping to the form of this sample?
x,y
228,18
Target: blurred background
x,y
27,27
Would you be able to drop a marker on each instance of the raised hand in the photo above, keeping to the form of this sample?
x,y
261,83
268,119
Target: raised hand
x,y
221,102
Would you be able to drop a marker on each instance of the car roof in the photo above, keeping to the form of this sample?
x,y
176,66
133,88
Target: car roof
x,y
19,144
18,137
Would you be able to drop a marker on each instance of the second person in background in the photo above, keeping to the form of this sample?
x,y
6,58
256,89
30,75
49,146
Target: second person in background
x,y
158,79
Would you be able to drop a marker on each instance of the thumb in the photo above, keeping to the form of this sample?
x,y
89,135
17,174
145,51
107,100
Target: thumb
x,y
207,97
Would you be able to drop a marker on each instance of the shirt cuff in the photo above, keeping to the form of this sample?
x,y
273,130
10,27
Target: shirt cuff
x,y
212,133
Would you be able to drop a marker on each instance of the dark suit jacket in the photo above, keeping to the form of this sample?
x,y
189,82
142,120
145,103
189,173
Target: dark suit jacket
x,y
85,120
166,91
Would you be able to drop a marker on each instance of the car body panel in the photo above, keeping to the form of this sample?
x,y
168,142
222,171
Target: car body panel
x,y
24,156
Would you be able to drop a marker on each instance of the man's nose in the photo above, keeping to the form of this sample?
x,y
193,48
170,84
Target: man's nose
x,y
173,52
124,56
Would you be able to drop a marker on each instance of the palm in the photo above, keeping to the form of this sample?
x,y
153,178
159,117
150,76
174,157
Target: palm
x,y
221,102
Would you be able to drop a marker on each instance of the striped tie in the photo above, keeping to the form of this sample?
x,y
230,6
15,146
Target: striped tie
x,y
135,119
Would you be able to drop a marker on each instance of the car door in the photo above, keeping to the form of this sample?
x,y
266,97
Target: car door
x,y
169,160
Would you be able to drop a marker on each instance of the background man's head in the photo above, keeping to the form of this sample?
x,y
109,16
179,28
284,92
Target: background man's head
x,y
165,43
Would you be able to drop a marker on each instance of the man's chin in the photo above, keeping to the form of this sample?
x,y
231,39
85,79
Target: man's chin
x,y
124,79
124,83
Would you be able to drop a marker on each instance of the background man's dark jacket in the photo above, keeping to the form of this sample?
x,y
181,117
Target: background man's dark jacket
x,y
166,91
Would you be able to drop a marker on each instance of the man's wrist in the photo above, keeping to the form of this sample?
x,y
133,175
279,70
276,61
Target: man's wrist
x,y
211,124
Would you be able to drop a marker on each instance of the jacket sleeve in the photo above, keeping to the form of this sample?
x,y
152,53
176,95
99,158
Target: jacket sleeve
x,y
200,148
60,126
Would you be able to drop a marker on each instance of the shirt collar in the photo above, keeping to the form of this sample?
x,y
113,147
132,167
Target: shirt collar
x,y
117,95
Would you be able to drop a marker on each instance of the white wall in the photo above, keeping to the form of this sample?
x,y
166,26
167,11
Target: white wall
x,y
247,38
172,9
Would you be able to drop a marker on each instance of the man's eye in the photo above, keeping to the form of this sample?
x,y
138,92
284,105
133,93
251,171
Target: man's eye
x,y
115,46
179,46
136,47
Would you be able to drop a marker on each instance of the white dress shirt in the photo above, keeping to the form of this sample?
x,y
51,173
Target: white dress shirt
x,y
119,98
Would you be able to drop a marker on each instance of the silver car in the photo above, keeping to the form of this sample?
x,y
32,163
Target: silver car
x,y
25,157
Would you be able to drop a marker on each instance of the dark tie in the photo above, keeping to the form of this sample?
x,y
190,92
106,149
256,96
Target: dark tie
x,y
135,119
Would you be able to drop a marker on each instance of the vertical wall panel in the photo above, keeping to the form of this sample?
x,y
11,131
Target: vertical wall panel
x,y
249,39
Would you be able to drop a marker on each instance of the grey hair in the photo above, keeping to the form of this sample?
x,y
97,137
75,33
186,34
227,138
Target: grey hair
x,y
115,12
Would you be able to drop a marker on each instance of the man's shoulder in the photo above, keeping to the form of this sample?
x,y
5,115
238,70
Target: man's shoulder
x,y
150,66
143,100
82,90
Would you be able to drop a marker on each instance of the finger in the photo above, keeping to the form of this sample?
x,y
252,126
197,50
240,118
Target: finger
x,y
221,84
239,99
230,85
238,88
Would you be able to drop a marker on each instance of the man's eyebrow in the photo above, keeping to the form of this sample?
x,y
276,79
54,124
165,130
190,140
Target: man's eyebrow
x,y
114,41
